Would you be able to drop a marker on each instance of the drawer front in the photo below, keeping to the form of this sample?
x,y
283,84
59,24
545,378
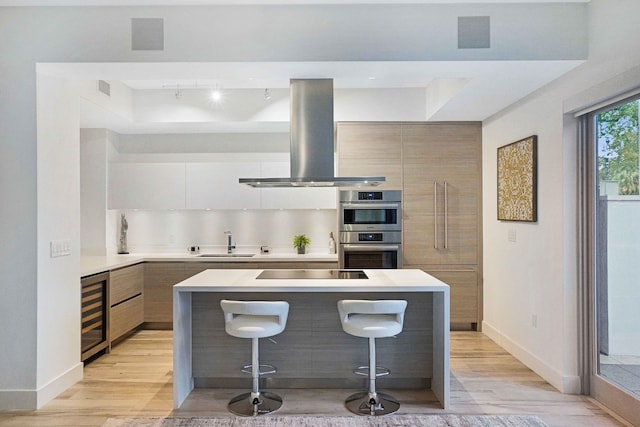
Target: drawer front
x,y
126,283
126,316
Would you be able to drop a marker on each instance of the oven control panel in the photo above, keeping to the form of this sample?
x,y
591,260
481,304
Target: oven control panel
x,y
370,237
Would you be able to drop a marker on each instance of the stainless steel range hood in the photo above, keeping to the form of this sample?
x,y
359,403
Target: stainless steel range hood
x,y
312,141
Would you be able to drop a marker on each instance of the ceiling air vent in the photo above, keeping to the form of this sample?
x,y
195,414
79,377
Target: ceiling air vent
x,y
104,87
147,34
474,32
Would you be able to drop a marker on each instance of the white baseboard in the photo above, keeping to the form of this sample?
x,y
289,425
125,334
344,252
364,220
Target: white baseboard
x,y
568,384
29,400
56,386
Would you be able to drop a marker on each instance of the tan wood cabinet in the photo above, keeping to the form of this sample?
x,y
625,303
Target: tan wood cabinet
x,y
440,175
126,316
159,278
463,282
441,194
371,149
125,300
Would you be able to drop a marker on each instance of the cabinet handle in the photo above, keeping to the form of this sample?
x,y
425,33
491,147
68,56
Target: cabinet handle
x,y
435,214
446,217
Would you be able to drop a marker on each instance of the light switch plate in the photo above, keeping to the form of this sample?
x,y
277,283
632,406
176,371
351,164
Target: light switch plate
x,y
511,235
60,248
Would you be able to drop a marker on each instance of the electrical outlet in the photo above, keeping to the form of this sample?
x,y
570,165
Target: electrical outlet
x,y
534,320
58,248
511,235
172,238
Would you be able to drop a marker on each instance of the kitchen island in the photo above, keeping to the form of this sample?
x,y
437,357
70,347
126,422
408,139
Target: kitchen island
x,y
313,351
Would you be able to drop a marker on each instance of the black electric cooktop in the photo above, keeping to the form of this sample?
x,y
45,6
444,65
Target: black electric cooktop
x,y
312,274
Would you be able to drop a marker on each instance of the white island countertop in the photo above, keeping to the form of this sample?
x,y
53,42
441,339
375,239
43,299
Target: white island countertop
x,y
246,281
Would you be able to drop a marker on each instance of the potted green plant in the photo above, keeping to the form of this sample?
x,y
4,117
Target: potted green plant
x,y
300,242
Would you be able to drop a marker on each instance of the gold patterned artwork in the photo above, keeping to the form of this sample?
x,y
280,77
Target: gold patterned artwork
x,y
517,181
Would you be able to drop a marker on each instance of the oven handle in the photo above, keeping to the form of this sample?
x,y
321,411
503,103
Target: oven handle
x,y
370,205
367,248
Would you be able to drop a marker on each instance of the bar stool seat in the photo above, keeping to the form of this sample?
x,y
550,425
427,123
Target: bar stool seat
x,y
250,326
372,319
255,320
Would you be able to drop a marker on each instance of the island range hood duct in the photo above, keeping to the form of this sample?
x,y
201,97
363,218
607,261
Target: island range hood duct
x,y
312,141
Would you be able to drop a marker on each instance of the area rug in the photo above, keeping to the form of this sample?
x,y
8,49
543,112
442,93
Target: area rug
x,y
355,421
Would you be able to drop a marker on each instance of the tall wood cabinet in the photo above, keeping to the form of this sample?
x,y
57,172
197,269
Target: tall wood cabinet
x,y
371,149
441,183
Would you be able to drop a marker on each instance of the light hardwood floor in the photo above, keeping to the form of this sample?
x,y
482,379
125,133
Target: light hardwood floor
x,y
134,380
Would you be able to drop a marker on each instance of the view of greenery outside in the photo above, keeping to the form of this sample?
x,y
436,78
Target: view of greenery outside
x,y
618,160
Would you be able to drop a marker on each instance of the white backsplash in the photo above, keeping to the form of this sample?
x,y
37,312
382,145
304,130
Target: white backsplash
x,y
174,231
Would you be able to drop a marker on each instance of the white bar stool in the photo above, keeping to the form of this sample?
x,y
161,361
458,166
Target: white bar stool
x,y
372,319
255,319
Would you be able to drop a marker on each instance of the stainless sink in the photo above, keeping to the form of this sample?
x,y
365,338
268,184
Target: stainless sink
x,y
226,255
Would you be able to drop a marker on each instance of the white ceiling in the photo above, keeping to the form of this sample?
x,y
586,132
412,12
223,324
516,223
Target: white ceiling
x,y
475,90
251,2
489,86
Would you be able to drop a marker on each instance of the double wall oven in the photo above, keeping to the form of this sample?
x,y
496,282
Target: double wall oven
x,y
370,227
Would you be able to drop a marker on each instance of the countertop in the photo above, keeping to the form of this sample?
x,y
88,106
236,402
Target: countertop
x,y
222,280
97,264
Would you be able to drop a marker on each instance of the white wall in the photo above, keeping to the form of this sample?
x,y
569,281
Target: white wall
x,y
58,219
95,148
535,276
174,231
38,207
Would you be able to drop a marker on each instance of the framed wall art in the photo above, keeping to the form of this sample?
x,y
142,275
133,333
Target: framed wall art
x,y
517,181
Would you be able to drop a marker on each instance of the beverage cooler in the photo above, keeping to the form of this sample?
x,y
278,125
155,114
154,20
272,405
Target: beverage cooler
x,y
94,327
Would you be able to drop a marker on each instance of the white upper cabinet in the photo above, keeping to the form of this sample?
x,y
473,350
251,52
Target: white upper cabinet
x,y
215,185
146,185
208,185
293,198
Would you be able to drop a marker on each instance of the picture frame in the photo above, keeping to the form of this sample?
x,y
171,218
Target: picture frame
x,y
517,180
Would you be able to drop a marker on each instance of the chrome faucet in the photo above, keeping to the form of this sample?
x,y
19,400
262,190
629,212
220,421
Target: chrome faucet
x,y
230,247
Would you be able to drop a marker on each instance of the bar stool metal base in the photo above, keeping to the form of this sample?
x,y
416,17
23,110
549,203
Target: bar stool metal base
x,y
361,404
242,404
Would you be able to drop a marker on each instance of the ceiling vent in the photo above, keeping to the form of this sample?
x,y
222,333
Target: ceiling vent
x,y
104,87
147,34
474,32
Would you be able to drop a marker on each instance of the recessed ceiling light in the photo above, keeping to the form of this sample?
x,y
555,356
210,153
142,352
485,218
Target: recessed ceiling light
x,y
216,95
